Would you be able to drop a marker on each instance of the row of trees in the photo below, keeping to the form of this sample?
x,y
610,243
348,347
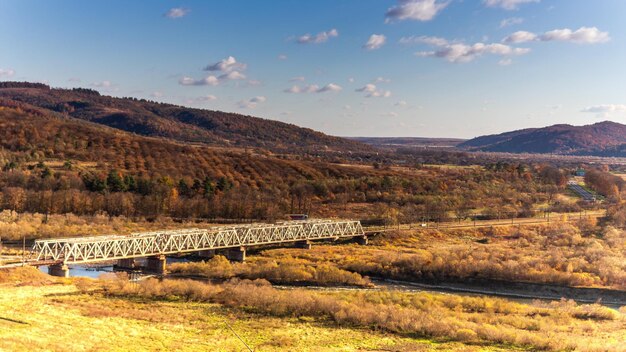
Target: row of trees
x,y
605,183
243,204
433,193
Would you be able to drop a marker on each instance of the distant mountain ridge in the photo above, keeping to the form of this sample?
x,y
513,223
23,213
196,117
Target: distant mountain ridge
x,y
605,138
410,142
178,123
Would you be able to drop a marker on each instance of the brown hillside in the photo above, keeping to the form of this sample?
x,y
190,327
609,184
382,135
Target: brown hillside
x,y
25,137
179,123
601,139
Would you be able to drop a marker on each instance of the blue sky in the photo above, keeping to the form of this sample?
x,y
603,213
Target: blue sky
x,y
456,68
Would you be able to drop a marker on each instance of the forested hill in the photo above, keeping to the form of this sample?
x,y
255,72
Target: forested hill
x,y
600,139
183,124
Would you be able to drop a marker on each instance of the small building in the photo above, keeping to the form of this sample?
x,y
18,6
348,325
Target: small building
x,y
580,172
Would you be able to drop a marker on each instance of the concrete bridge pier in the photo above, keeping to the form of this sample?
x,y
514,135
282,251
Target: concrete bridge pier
x,y
156,264
129,263
60,270
237,254
207,254
362,240
303,244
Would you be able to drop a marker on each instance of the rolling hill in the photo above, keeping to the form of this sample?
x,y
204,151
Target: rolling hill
x,y
178,123
600,139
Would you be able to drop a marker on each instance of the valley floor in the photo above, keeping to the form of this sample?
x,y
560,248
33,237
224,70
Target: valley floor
x,y
38,312
60,318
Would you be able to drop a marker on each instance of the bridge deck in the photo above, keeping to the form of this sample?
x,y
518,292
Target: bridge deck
x,y
103,248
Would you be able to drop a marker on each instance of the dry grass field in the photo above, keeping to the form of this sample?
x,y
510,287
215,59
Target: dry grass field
x,y
56,316
43,314
560,253
38,312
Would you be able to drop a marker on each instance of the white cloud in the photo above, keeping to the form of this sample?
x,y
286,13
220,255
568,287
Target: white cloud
x,y
227,65
372,92
72,79
583,35
381,80
311,88
606,110
103,84
282,57
330,87
507,4
319,38
6,72
202,99
156,94
379,94
208,81
505,62
512,21
390,114
229,68
251,103
418,10
401,103
351,79
434,41
376,41
347,107
208,98
297,79
520,37
254,82
367,88
177,12
461,53
232,75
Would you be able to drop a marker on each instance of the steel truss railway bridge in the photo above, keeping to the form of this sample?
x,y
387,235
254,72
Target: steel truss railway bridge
x,y
154,246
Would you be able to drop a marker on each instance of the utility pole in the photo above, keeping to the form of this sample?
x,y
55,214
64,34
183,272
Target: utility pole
x,y
23,250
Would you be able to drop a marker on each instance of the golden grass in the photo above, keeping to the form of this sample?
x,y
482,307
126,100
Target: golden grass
x,y
60,318
487,321
557,254
284,271
24,276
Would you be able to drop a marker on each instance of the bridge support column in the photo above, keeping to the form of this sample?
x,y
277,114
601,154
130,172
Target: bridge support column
x,y
237,254
303,244
129,263
156,264
362,240
207,254
60,270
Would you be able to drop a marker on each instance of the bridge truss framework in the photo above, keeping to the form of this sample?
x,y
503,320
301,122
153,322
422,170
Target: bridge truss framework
x,y
147,244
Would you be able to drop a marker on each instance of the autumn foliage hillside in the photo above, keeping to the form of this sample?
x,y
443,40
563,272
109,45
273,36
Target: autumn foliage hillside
x,y
26,137
179,123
